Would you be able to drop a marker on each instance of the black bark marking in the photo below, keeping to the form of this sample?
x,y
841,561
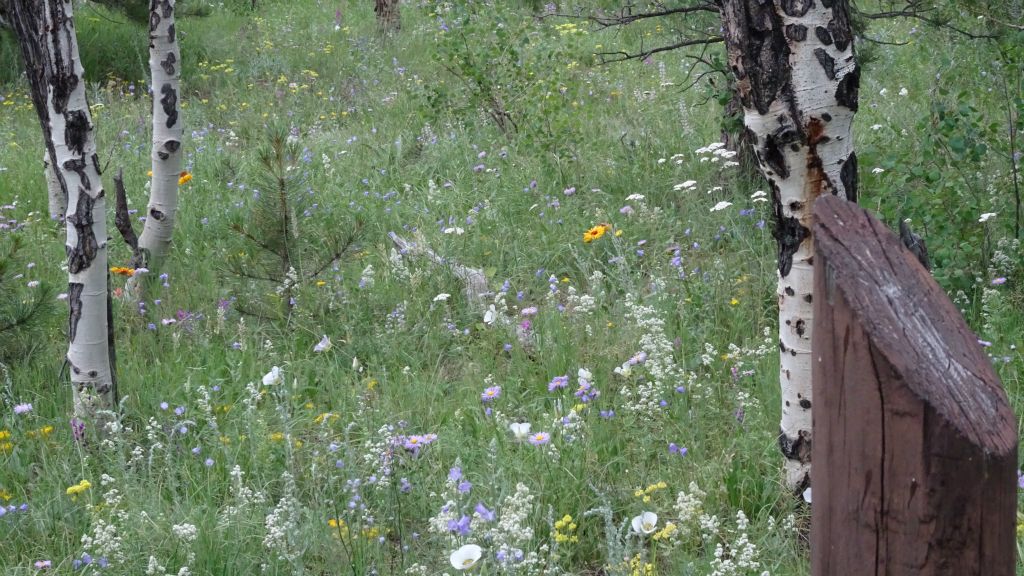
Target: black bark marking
x,y
169,103
808,298
96,164
796,206
796,8
827,62
156,214
168,63
172,146
758,52
801,327
827,3
789,233
796,32
773,157
170,34
826,116
848,176
849,88
789,291
154,20
77,165
162,155
75,304
839,28
823,35
81,255
798,448
805,403
76,130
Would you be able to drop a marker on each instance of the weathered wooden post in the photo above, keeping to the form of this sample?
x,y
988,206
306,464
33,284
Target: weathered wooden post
x,y
915,445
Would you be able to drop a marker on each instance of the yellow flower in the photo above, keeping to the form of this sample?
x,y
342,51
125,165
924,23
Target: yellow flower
x,y
277,436
122,271
321,283
150,173
733,302
5,495
184,178
77,489
595,233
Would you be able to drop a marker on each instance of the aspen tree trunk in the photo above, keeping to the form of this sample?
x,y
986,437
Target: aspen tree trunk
x,y
46,32
164,66
797,79
58,200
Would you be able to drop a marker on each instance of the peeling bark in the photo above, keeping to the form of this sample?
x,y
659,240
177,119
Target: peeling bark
x,y
166,153
797,79
46,34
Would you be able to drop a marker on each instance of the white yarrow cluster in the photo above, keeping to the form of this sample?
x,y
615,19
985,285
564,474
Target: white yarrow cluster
x,y
283,522
656,352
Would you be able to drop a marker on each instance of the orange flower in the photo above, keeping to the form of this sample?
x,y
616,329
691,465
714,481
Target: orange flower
x,y
184,177
122,271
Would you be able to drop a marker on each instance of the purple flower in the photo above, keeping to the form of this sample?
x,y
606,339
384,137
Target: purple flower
x,y
465,486
540,438
607,413
461,525
998,281
485,514
490,393
558,382
208,462
405,486
22,408
77,429
455,474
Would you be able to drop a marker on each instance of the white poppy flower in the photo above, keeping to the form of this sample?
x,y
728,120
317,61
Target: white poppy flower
x,y
807,495
442,297
877,170
323,345
635,197
759,194
987,216
490,315
520,430
645,523
584,374
721,206
454,230
465,557
275,376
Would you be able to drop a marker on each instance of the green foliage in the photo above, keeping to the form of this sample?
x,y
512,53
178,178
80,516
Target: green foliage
x,y
26,304
280,257
381,133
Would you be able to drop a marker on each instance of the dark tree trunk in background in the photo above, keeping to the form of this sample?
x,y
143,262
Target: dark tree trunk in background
x,y
388,17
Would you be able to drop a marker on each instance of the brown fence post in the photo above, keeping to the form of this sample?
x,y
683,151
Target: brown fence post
x,y
915,445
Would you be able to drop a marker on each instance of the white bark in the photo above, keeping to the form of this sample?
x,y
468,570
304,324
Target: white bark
x,y
58,201
801,112
165,68
73,143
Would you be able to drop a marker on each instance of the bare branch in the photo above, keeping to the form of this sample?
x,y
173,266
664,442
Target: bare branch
x,y
625,15
919,14
622,56
122,220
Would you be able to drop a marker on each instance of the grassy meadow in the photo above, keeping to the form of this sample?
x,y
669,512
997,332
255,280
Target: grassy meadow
x,y
362,415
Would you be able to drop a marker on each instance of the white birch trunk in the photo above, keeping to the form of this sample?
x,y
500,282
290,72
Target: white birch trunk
x,y
798,79
165,68
47,36
57,200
